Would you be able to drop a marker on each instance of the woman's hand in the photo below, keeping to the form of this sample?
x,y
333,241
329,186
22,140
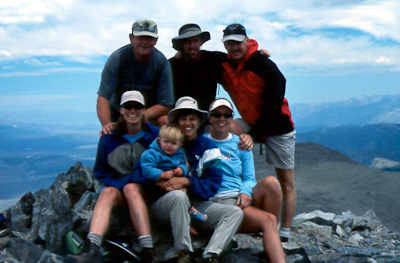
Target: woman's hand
x,y
246,142
244,201
175,183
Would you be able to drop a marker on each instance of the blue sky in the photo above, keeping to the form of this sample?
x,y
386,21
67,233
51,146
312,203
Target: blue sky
x,y
52,52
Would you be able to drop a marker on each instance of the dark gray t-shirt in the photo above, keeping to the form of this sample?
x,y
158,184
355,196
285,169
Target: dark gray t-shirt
x,y
122,72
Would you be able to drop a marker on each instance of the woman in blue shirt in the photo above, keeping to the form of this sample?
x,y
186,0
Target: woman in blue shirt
x,y
117,168
203,182
260,202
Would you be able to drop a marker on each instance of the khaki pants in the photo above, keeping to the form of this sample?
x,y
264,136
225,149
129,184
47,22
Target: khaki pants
x,y
173,208
224,219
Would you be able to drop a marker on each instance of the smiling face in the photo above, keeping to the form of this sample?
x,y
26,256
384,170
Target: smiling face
x,y
189,125
236,50
191,47
143,46
132,112
220,120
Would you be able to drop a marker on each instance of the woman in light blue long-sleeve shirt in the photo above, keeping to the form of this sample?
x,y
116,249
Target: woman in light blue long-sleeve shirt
x,y
260,202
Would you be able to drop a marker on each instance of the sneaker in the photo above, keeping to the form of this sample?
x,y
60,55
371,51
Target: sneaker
x,y
196,214
92,255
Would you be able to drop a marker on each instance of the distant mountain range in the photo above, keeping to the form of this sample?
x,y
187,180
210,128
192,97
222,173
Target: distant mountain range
x,y
36,146
361,143
354,112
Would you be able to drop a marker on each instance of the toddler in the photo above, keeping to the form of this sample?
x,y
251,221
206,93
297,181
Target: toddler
x,y
165,159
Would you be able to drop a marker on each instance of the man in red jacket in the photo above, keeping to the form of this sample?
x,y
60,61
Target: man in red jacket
x,y
257,88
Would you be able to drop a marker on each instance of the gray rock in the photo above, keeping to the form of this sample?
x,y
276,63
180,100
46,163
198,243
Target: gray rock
x,y
37,224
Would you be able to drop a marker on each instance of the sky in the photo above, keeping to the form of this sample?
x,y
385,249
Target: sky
x,y
52,52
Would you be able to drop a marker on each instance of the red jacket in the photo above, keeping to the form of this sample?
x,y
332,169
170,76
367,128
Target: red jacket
x,y
257,88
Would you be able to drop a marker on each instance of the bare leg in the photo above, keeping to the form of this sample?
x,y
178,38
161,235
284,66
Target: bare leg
x,y
286,179
256,220
137,209
263,216
267,195
109,198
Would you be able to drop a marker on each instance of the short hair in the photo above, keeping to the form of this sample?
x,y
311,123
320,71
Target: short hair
x,y
171,132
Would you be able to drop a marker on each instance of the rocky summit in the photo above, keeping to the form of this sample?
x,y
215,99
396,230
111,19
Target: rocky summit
x,y
33,230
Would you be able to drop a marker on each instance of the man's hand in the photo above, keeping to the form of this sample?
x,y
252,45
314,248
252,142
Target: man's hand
x,y
265,52
244,201
246,142
108,128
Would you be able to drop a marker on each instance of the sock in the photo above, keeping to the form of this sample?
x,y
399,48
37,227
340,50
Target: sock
x,y
284,232
95,238
146,241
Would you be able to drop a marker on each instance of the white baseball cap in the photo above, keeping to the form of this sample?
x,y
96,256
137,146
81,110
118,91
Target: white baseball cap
x,y
218,103
132,95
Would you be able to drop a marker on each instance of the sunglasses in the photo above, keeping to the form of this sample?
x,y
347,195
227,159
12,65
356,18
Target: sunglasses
x,y
145,27
218,115
132,105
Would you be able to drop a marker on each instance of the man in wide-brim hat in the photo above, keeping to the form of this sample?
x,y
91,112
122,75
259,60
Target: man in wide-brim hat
x,y
188,31
195,72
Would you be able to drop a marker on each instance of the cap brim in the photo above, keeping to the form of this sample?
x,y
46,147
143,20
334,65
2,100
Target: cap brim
x,y
233,37
177,41
133,100
144,33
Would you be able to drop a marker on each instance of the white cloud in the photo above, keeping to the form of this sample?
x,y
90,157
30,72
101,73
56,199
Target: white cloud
x,y
304,33
40,62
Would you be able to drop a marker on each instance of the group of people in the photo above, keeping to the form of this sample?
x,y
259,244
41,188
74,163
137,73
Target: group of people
x,y
199,165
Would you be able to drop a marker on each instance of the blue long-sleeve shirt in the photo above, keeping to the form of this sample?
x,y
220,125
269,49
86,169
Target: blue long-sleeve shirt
x,y
237,165
155,161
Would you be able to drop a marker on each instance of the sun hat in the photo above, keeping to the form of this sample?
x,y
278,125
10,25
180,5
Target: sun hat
x,y
187,31
218,103
186,103
235,32
145,27
132,95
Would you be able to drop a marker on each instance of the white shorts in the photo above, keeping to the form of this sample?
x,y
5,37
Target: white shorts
x,y
280,148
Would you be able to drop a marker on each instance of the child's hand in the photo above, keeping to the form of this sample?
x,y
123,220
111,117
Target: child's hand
x,y
178,172
167,175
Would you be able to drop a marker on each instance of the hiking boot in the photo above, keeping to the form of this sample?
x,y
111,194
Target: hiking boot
x,y
284,239
92,255
184,257
146,255
210,257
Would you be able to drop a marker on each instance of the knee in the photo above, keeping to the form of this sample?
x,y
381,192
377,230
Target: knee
x,y
108,196
179,196
287,187
237,213
271,185
110,193
132,190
